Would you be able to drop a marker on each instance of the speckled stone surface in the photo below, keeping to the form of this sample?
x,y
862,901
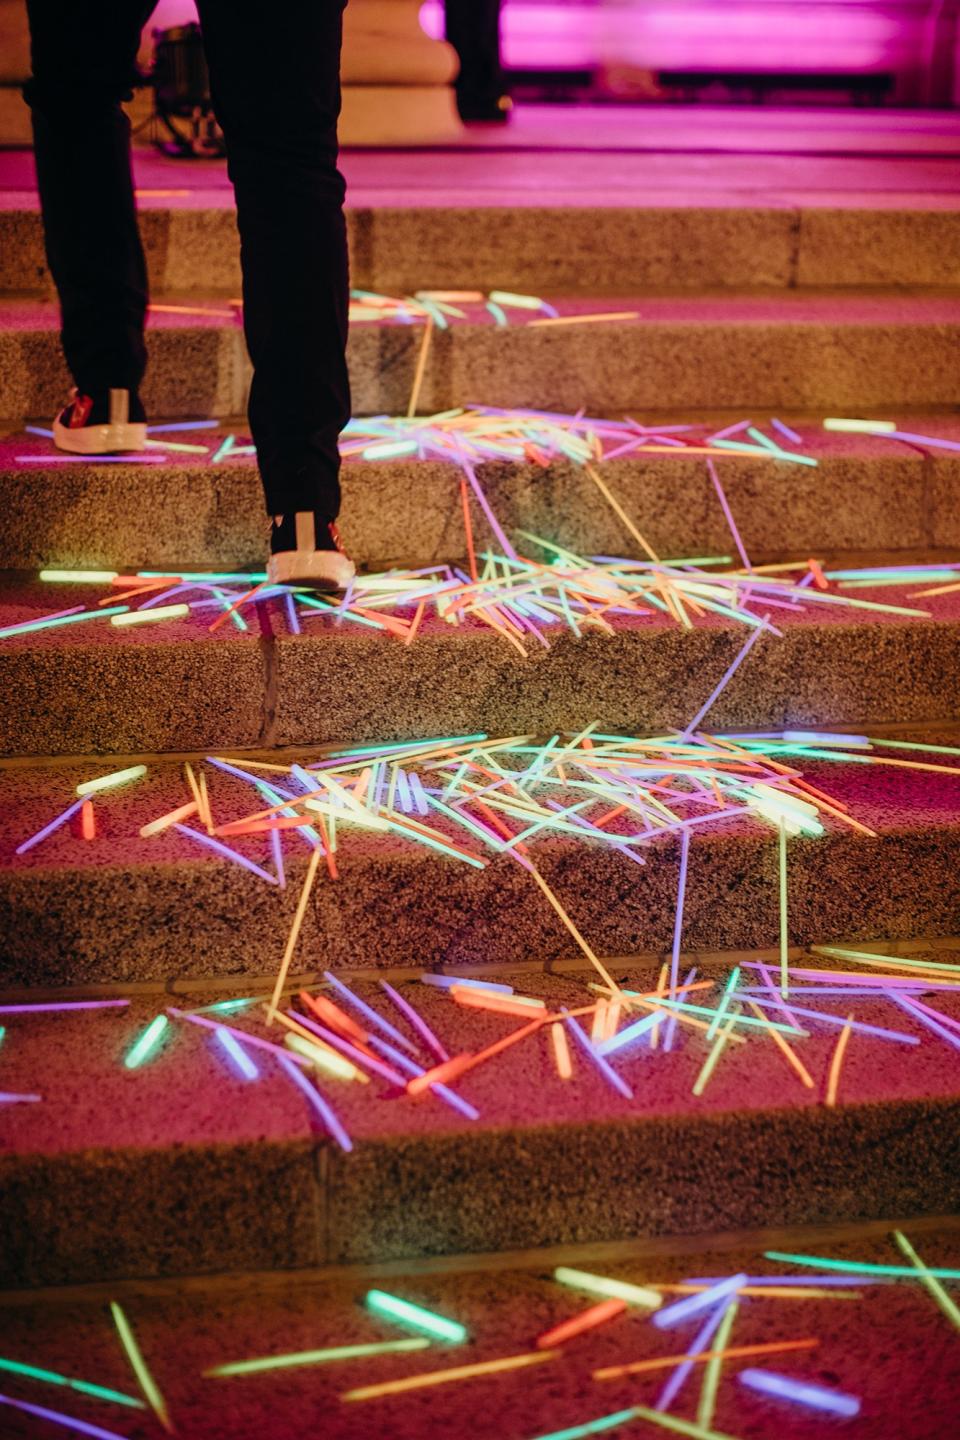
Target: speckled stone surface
x,y
223,1174
884,495
123,908
882,247
793,349
891,1348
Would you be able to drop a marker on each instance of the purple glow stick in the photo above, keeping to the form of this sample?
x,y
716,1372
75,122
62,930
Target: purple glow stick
x,y
728,514
730,430
791,435
693,1304
368,1011
937,1014
842,1282
62,1005
906,1004
671,1026
90,460
325,1111
417,1021
292,619
276,850
784,1387
410,1067
842,1020
607,1071
243,1036
221,849
183,425
921,439
54,824
771,986
82,1427
37,430
492,521
352,1053
8,1097
728,675
701,1342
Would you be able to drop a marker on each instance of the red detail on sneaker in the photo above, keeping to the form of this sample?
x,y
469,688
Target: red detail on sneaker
x,y
80,411
335,537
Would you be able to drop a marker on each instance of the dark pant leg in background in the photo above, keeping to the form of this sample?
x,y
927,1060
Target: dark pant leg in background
x,y
275,82
83,54
473,29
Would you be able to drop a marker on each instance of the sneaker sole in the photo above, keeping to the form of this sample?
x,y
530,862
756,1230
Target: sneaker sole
x,y
99,439
324,570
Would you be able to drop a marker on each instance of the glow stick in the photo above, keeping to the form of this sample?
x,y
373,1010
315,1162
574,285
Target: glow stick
x,y
10,1097
685,1309
859,427
858,1267
139,1367
711,1376
878,1030
79,577
314,1357
931,1018
929,1280
724,681
421,367
417,1021
446,982
792,1057
626,1037
48,829
619,511
111,781
220,849
586,1320
597,964
325,1111
89,459
518,1005
785,430
666,1362
83,1387
243,1036
146,1043
368,1011
406,1313
144,616
69,1422
683,1371
818,1397
561,1052
163,822
88,821
410,1067
61,1005
592,1427
606,1070
710,1064
237,1054
728,990
320,1056
444,1377
604,1285
294,934
361,1058
586,319
784,933
867,958
678,1426
728,513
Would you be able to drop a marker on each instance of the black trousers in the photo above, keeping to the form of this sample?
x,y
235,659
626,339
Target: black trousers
x,y
473,29
275,79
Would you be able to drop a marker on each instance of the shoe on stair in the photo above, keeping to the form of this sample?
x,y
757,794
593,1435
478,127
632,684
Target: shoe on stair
x,y
306,550
102,424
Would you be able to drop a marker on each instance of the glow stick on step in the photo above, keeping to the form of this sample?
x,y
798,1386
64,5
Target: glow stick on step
x,y
607,1071
9,1097
711,1375
49,828
595,962
83,1387
140,1368
417,1021
242,1036
858,1267
79,577
833,1080
784,932
88,821
360,1058
786,431
579,1324
53,1005
728,513
147,616
321,1056
724,681
667,1362
671,1026
591,1427
314,1357
561,1052
294,935
783,1387
446,1377
57,1417
227,444
146,1043
368,1011
684,1310
792,1057
605,1286
404,1312
859,427
929,1280
421,367
702,1341
220,849
728,990
326,1112
237,1054
164,822
112,780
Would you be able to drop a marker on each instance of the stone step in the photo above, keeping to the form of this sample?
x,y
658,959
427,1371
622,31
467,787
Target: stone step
x,y
801,350
884,494
183,1166
505,1302
172,686
533,243
124,909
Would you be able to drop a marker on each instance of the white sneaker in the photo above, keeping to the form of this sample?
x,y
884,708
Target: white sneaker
x,y
305,550
103,425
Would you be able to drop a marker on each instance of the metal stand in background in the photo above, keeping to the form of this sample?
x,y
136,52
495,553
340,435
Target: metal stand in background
x,y
183,120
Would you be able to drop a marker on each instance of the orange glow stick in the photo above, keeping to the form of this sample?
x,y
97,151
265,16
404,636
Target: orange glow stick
x,y
172,817
819,579
585,319
444,1377
294,935
792,1057
594,961
248,595
328,848
736,1352
561,1051
421,368
330,1014
412,632
440,1074
88,821
586,1320
599,1022
492,1000
833,1080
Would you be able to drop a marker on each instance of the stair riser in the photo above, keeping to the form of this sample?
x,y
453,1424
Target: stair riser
x,y
330,687
124,923
552,249
244,1207
129,517
607,368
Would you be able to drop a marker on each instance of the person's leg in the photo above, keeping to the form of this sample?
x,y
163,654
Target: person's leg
x,y
275,82
473,29
83,54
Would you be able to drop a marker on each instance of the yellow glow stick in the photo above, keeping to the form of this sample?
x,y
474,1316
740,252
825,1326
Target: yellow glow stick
x,y
294,935
115,777
145,617
324,1058
445,1377
139,1367
711,1375
80,577
561,1051
421,368
791,1055
931,1282
833,1080
598,964
618,509
172,817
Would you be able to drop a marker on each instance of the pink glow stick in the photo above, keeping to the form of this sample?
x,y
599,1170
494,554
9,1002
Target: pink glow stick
x,y
61,1005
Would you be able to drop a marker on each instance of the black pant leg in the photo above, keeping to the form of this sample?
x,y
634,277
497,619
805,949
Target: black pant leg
x,y
83,54
275,81
473,29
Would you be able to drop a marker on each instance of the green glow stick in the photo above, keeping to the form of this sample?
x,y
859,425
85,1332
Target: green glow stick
x,y
215,576
711,1378
858,1267
27,627
604,1285
315,1357
145,617
860,427
522,302
929,1280
678,1426
438,1326
114,778
729,988
80,577
592,1427
710,1064
884,960
147,1042
139,1366
84,1387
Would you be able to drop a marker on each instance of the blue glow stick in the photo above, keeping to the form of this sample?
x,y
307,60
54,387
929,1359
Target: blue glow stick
x,y
928,1020
444,982
724,681
38,430
60,618
628,1036
54,824
768,1382
416,1020
684,1309
237,1054
325,1111
69,1422
607,1071
841,1020
702,1342
368,1011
